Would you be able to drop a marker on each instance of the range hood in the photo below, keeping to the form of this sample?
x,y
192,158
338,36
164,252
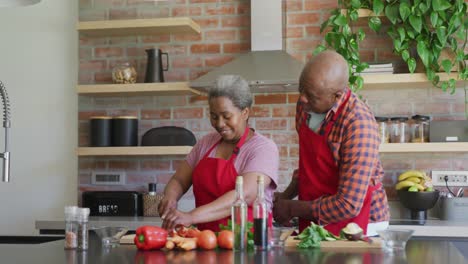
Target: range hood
x,y
267,64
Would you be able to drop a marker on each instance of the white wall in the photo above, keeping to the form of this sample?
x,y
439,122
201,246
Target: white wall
x,y
38,66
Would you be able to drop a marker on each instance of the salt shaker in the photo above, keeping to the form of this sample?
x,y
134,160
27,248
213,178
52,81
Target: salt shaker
x,y
82,228
71,239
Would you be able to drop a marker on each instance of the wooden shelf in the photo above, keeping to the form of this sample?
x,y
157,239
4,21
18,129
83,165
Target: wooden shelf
x,y
135,89
414,80
436,147
133,151
138,27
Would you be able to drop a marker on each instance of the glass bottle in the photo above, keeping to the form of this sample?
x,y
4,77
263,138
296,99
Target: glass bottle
x,y
260,214
82,228
239,217
151,201
71,239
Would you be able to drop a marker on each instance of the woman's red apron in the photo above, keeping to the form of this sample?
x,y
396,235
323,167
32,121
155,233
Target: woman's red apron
x,y
319,175
213,177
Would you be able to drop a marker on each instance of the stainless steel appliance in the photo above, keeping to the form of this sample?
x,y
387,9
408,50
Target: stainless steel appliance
x,y
449,131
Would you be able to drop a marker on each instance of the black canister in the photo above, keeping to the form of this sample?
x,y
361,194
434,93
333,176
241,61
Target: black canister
x,y
125,131
100,128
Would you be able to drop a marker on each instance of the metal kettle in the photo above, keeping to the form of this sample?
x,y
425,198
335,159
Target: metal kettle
x,y
154,66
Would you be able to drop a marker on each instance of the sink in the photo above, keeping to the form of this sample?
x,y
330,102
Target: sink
x,y
28,239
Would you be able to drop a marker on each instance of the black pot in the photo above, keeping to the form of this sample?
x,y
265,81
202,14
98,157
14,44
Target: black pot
x,y
125,131
100,128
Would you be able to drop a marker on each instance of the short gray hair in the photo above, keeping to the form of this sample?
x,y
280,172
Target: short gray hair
x,y
233,87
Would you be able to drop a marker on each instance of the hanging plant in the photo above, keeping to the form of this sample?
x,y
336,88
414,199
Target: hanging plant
x,y
420,30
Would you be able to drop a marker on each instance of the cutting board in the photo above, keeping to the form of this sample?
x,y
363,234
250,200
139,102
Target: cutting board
x,y
127,239
375,243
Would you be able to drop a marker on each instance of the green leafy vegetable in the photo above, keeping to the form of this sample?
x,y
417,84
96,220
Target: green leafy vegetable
x,y
313,235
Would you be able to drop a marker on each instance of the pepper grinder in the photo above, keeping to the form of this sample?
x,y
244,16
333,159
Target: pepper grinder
x,y
151,201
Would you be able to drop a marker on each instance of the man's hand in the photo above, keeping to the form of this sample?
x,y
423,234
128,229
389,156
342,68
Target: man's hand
x,y
175,217
282,211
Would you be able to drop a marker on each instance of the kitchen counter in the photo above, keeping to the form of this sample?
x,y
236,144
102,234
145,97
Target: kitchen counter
x,y
417,251
432,228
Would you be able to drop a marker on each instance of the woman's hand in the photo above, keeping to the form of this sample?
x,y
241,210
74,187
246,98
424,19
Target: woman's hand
x,y
165,205
175,217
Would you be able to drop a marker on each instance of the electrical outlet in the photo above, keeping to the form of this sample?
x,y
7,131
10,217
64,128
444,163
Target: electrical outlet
x,y
455,178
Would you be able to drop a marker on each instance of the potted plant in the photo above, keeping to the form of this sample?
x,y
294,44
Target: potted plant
x,y
427,27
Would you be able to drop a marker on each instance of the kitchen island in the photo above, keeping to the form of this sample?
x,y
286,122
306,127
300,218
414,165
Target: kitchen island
x,y
417,251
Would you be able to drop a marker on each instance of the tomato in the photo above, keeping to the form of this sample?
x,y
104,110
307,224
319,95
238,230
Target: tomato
x,y
226,239
206,240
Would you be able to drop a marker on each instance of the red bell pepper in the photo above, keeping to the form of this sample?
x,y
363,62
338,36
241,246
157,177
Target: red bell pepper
x,y
150,237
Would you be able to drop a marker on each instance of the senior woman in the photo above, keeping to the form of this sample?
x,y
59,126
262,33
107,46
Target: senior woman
x,y
215,161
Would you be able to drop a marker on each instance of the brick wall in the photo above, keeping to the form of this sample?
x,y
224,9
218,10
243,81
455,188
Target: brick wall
x,y
225,33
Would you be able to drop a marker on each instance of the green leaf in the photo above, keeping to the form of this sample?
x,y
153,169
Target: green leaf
x,y
361,35
434,19
405,55
405,10
401,33
441,33
447,65
355,4
359,83
378,7
353,15
411,34
340,20
440,5
423,8
375,23
319,49
423,53
411,64
416,22
397,45
391,12
326,23
444,86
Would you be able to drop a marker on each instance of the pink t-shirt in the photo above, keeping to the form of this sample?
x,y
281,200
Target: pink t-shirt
x,y
258,154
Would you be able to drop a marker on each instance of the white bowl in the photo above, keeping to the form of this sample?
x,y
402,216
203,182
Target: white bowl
x,y
279,234
395,239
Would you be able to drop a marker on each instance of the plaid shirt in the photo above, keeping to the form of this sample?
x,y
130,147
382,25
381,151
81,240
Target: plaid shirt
x,y
354,142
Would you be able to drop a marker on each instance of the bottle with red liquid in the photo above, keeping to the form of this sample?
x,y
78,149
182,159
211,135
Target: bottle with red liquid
x,y
260,214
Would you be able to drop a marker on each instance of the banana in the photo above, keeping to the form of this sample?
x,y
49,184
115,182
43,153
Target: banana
x,y
404,184
415,179
420,187
411,173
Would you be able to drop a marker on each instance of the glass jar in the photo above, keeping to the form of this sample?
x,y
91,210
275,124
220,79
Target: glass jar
x,y
124,73
82,228
399,132
384,132
420,129
71,239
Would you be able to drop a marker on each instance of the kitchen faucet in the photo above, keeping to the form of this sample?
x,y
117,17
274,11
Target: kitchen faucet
x,y
6,124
